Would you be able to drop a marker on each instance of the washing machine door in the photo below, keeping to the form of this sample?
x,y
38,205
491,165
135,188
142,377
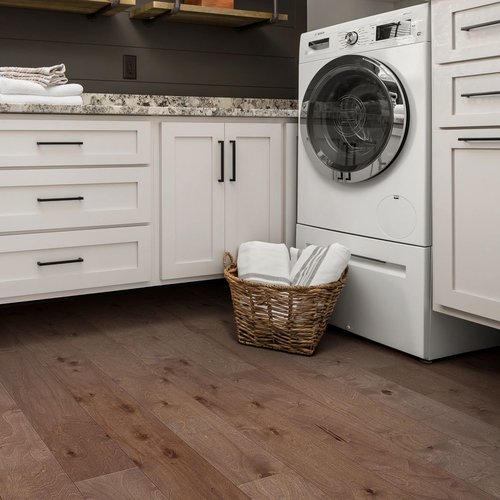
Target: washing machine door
x,y
354,118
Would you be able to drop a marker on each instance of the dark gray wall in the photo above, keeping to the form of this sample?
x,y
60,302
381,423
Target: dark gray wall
x,y
172,58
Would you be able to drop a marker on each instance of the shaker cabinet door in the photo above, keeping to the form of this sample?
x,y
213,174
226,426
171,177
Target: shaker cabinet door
x,y
466,222
192,213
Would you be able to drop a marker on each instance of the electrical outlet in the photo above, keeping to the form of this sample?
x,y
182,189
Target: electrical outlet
x,y
130,67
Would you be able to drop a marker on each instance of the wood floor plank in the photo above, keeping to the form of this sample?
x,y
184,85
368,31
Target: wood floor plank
x,y
428,474
283,486
444,390
219,443
160,369
28,471
177,470
130,484
82,448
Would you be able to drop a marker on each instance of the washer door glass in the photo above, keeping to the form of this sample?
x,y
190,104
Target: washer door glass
x,y
354,117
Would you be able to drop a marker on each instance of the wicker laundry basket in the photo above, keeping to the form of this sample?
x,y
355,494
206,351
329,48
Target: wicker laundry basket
x,y
285,318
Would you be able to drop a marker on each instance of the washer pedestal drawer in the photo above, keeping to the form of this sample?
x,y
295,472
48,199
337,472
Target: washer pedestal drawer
x,y
32,264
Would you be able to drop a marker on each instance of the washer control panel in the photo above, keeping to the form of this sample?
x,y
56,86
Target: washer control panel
x,y
402,27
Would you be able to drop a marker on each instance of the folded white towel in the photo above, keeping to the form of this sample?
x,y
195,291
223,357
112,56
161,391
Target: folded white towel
x,y
294,256
261,262
320,265
40,99
26,87
46,76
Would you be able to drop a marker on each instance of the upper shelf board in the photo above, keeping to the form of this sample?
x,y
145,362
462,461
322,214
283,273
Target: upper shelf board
x,y
73,6
196,14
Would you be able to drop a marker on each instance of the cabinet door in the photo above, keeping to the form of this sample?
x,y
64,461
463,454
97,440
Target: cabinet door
x,y
465,29
466,222
192,199
254,190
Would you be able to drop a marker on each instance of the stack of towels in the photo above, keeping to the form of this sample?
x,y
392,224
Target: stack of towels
x,y
46,85
275,264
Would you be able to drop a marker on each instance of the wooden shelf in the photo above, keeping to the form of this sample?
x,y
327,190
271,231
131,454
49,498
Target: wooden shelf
x,y
73,6
196,14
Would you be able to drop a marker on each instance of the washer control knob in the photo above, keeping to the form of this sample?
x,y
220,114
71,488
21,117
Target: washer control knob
x,y
351,38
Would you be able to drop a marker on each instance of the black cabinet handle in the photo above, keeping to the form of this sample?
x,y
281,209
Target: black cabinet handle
x,y
482,94
59,143
72,198
479,139
221,161
59,262
481,25
233,178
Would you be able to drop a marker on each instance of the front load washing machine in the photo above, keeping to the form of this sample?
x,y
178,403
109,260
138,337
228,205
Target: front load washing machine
x,y
364,170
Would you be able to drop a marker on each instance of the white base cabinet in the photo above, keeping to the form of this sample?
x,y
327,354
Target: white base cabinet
x,y
466,159
222,184
466,183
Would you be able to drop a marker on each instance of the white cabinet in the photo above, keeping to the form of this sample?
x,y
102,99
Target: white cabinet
x,y
467,221
222,184
75,206
466,159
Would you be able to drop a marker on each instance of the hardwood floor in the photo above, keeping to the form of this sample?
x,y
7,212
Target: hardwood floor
x,y
147,395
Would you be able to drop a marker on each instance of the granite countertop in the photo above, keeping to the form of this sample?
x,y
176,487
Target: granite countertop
x,y
153,105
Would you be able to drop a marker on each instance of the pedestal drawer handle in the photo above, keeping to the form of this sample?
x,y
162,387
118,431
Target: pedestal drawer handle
x,y
480,25
59,262
59,143
70,198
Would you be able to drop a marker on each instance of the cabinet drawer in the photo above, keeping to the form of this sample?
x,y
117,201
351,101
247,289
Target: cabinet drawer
x,y
33,264
466,218
40,143
467,94
35,200
465,29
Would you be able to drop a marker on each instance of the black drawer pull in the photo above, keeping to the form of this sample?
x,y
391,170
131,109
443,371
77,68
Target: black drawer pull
x,y
233,178
221,161
481,25
72,198
479,139
59,262
482,94
59,143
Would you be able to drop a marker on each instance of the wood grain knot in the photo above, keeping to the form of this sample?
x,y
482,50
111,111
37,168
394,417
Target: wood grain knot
x,y
257,404
127,408
202,400
141,435
70,453
370,491
168,452
274,431
60,359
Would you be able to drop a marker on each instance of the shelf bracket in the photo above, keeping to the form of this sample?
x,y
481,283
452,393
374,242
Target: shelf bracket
x,y
175,9
274,18
111,5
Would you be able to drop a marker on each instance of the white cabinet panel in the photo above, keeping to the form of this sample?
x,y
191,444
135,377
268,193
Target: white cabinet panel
x,y
465,29
254,190
467,94
222,184
192,199
31,264
38,143
39,199
466,218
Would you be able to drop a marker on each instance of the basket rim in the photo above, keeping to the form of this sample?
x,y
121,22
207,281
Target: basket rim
x,y
231,270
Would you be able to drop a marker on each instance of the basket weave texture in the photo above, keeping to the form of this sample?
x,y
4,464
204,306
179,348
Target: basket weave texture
x,y
285,318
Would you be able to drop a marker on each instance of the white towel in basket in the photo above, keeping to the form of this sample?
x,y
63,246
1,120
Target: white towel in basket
x,y
261,262
320,265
